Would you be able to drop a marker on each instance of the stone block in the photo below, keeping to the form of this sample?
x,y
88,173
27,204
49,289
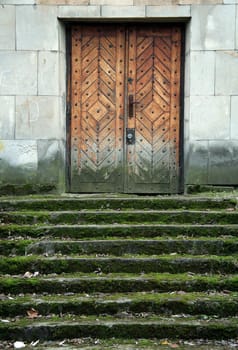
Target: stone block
x,y
223,163
37,28
213,27
187,75
7,28
234,117
123,11
202,73
48,73
37,117
62,37
168,11
197,163
236,35
155,2
210,117
17,2
200,2
62,74
230,2
18,73
7,117
18,161
78,11
188,38
226,73
112,2
63,2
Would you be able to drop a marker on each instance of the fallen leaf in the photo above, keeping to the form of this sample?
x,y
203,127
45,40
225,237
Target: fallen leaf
x,y
19,345
174,346
32,313
34,343
164,342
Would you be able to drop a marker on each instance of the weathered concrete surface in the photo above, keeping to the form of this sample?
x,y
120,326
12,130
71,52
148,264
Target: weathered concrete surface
x,y
48,73
7,28
18,73
18,153
7,117
210,117
197,163
123,11
202,73
78,11
223,162
213,27
36,28
37,117
168,11
234,117
29,166
226,73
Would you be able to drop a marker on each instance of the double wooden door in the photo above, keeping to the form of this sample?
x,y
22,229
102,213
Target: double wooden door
x,y
125,108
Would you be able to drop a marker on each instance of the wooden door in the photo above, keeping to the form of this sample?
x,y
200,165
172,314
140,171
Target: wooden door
x,y
125,94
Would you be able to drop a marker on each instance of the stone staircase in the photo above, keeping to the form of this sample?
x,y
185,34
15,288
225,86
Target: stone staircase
x,y
119,272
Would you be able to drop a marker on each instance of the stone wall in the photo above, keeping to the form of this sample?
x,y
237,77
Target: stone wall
x,y
33,85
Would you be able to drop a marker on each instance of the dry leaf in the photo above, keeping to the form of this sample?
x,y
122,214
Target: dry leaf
x,y
32,313
174,346
34,343
164,342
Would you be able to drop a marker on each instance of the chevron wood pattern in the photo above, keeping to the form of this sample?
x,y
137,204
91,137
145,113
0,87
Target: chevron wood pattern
x,y
109,63
97,107
154,65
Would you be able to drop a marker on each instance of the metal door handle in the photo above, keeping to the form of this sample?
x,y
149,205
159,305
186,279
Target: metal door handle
x,y
131,106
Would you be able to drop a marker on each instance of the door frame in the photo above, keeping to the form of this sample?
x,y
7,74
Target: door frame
x,y
68,27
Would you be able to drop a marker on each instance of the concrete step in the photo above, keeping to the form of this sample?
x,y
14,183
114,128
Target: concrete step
x,y
118,247
219,304
80,202
92,231
126,344
113,264
69,327
99,282
122,216
198,246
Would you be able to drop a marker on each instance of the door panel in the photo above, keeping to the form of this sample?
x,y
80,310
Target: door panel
x,y
98,62
154,82
125,80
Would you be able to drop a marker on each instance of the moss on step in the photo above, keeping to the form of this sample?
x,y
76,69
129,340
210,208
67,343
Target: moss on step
x,y
116,230
199,246
118,283
221,305
105,327
110,216
14,246
117,202
131,264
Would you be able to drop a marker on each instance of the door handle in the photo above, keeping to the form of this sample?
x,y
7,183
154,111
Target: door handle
x,y
131,111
